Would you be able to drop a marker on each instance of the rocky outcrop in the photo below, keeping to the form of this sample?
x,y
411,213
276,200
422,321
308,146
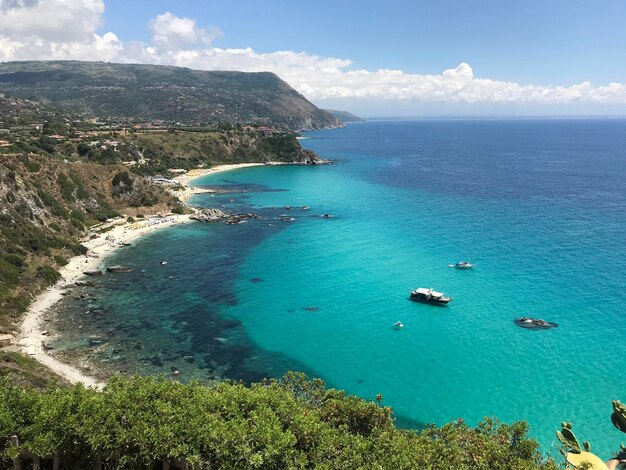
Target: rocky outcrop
x,y
210,215
216,215
308,157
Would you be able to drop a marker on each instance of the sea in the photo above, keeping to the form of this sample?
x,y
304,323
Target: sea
x,y
317,280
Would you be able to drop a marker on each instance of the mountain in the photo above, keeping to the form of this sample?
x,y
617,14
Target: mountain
x,y
344,116
156,92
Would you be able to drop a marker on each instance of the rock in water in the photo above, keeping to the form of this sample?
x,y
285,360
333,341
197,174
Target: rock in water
x,y
210,215
119,269
95,272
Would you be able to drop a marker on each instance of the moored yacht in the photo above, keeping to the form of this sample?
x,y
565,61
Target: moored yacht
x,y
534,323
429,296
462,265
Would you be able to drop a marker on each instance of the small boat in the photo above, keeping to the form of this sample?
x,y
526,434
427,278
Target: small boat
x,y
462,265
398,324
534,323
429,296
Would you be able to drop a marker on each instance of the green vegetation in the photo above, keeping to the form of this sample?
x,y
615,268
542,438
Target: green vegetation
x,y
25,371
48,275
151,92
580,457
287,423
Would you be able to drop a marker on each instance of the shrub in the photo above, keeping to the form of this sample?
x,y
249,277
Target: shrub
x,y
15,259
60,260
9,274
33,167
67,187
47,274
292,423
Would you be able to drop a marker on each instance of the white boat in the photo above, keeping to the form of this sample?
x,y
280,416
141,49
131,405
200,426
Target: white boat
x,y
462,265
429,296
398,324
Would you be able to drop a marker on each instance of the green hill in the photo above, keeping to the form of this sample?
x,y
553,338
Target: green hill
x,y
174,94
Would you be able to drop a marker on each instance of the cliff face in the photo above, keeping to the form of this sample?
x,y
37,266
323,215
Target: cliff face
x,y
46,205
160,151
146,92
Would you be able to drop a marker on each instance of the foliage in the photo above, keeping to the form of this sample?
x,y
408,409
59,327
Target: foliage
x,y
580,456
122,183
33,167
60,260
288,423
48,274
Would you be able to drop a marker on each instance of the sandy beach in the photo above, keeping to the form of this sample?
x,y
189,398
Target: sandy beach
x,y
31,340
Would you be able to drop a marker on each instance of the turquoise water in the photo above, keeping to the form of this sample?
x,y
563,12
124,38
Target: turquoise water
x,y
538,206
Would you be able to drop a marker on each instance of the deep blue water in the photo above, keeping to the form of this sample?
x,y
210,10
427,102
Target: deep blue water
x,y
538,205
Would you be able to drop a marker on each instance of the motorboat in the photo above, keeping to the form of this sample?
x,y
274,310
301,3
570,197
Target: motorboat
x,y
429,296
534,323
398,324
462,265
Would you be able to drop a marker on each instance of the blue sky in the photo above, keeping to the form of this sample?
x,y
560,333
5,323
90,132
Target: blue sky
x,y
384,58
529,42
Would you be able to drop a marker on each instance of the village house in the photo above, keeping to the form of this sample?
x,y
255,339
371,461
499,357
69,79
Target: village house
x,y
267,131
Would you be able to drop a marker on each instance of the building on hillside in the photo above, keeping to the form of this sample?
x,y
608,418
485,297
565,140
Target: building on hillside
x,y
267,131
56,137
5,143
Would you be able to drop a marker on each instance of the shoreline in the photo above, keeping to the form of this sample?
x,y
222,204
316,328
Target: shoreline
x,y
30,339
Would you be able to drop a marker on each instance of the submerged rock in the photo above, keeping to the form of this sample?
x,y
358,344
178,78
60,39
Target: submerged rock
x,y
95,272
119,269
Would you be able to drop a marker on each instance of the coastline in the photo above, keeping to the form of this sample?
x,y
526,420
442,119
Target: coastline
x,y
30,339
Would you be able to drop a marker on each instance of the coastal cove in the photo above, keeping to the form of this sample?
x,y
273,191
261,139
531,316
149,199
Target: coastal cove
x,y
538,206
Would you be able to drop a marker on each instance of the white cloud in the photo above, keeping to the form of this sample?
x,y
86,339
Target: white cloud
x,y
67,29
173,32
50,20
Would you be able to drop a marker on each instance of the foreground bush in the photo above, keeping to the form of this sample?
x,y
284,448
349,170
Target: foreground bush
x,y
287,423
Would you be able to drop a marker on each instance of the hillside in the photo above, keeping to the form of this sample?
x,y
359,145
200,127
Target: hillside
x,y
14,110
345,116
154,92
46,206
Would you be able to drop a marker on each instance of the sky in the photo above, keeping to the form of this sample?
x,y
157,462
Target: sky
x,y
372,57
